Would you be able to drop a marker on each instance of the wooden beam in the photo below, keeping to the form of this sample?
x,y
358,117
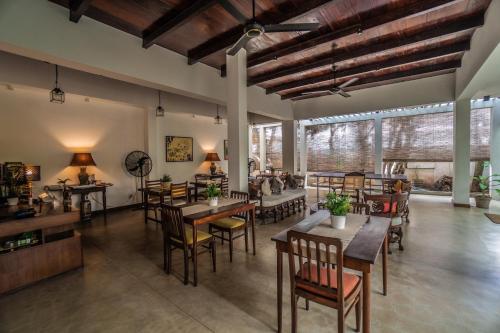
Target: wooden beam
x,y
228,38
314,38
390,76
396,60
375,46
77,8
174,19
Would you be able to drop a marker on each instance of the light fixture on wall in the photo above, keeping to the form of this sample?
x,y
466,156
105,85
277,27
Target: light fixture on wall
x,y
56,94
218,118
160,112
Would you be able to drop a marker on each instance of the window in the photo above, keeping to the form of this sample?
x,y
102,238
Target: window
x,y
274,157
255,153
480,134
348,146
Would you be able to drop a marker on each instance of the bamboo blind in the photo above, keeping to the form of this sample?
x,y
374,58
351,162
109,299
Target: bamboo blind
x,y
256,146
348,146
429,137
274,156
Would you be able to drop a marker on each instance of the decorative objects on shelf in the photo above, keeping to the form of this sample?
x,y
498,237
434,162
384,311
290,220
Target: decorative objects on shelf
x,y
338,205
83,160
213,193
218,118
226,149
166,181
160,112
212,157
179,149
56,94
15,179
33,174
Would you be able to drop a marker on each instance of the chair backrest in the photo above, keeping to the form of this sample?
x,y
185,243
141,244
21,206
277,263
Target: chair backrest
x,y
224,186
301,181
179,191
305,248
353,181
380,204
399,203
243,197
173,224
360,208
153,183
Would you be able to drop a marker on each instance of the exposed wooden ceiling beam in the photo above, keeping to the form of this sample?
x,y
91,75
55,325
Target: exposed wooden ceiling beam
x,y
314,38
453,64
77,8
375,46
396,60
174,19
228,38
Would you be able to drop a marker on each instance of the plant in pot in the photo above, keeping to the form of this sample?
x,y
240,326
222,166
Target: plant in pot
x,y
213,194
166,181
483,199
338,205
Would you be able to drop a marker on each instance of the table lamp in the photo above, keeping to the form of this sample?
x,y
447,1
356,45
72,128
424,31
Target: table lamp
x,y
33,174
212,157
83,160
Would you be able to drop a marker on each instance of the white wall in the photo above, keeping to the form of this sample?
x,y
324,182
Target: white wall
x,y
35,131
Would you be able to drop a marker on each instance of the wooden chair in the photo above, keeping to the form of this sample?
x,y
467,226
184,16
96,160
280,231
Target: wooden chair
x,y
224,186
399,186
316,280
232,225
353,185
153,200
177,236
179,192
200,178
360,208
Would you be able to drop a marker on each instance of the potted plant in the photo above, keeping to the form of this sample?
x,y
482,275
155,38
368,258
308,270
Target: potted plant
x,y
213,194
166,181
483,199
339,206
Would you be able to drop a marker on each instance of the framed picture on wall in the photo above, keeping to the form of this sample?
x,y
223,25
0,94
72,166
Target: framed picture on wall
x,y
226,150
179,148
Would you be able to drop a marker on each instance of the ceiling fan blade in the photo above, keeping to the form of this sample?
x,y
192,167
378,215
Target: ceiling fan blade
x,y
348,83
343,93
291,27
317,92
228,6
241,43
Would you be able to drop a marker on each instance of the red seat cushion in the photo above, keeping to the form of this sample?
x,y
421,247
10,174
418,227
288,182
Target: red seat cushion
x,y
350,280
394,207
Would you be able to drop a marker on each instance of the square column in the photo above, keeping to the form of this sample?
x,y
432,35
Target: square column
x,y
289,145
378,143
495,143
262,148
303,149
461,153
237,120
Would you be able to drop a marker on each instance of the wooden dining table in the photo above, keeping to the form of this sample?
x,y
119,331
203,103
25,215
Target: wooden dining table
x,y
200,213
161,193
359,255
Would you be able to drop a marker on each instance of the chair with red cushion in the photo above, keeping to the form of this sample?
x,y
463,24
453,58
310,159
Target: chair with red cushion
x,y
312,276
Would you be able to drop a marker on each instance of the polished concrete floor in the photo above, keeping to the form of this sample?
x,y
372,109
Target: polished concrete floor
x,y
446,280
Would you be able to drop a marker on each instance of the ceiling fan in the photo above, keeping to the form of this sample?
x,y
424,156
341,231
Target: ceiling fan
x,y
334,90
254,29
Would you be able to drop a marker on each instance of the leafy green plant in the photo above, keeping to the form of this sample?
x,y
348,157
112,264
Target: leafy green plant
x,y
166,179
213,191
484,184
337,204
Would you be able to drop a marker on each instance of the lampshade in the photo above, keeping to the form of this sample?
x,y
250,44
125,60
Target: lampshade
x,y
212,157
82,159
32,173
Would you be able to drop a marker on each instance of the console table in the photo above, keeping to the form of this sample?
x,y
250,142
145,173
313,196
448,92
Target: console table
x,y
84,191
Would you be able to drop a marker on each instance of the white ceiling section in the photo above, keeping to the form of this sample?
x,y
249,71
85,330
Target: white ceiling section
x,y
42,30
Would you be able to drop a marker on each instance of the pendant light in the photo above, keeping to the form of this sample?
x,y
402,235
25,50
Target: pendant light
x,y
56,94
160,112
218,118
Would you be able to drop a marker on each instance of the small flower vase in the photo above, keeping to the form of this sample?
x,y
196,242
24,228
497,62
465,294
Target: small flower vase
x,y
213,202
338,222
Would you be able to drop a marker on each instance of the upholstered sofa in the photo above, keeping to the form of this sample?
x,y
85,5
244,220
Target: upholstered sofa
x,y
288,202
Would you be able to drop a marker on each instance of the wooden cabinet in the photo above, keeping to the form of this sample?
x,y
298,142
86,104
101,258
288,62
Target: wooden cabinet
x,y
58,250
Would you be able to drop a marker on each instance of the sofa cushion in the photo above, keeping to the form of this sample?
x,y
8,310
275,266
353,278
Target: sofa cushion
x,y
278,199
266,188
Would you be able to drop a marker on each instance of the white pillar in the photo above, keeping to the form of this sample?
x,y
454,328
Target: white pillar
x,y
461,153
237,120
289,145
303,150
378,143
262,148
495,142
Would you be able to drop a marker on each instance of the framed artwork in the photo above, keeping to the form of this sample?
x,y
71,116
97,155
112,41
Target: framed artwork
x,y
226,149
179,148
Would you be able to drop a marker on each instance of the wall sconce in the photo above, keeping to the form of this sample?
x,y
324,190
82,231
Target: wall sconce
x,y
56,94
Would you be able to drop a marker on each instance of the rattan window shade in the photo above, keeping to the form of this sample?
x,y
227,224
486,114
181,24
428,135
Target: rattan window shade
x,y
429,137
255,154
348,146
274,153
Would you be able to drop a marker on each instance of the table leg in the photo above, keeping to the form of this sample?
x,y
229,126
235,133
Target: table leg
x,y
252,217
384,265
195,192
366,301
104,205
195,255
146,199
279,286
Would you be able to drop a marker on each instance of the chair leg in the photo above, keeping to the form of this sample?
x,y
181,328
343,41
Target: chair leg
x,y
358,314
222,238
246,237
307,304
186,267
294,312
340,321
230,245
213,247
165,255
400,239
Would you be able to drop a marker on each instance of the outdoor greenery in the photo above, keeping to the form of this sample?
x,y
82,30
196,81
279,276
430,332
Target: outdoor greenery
x,y
485,182
213,191
337,204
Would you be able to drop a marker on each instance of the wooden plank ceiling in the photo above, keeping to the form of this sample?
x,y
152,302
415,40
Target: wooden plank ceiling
x,y
376,41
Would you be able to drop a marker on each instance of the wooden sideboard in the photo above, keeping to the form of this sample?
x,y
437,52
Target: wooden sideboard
x,y
57,249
